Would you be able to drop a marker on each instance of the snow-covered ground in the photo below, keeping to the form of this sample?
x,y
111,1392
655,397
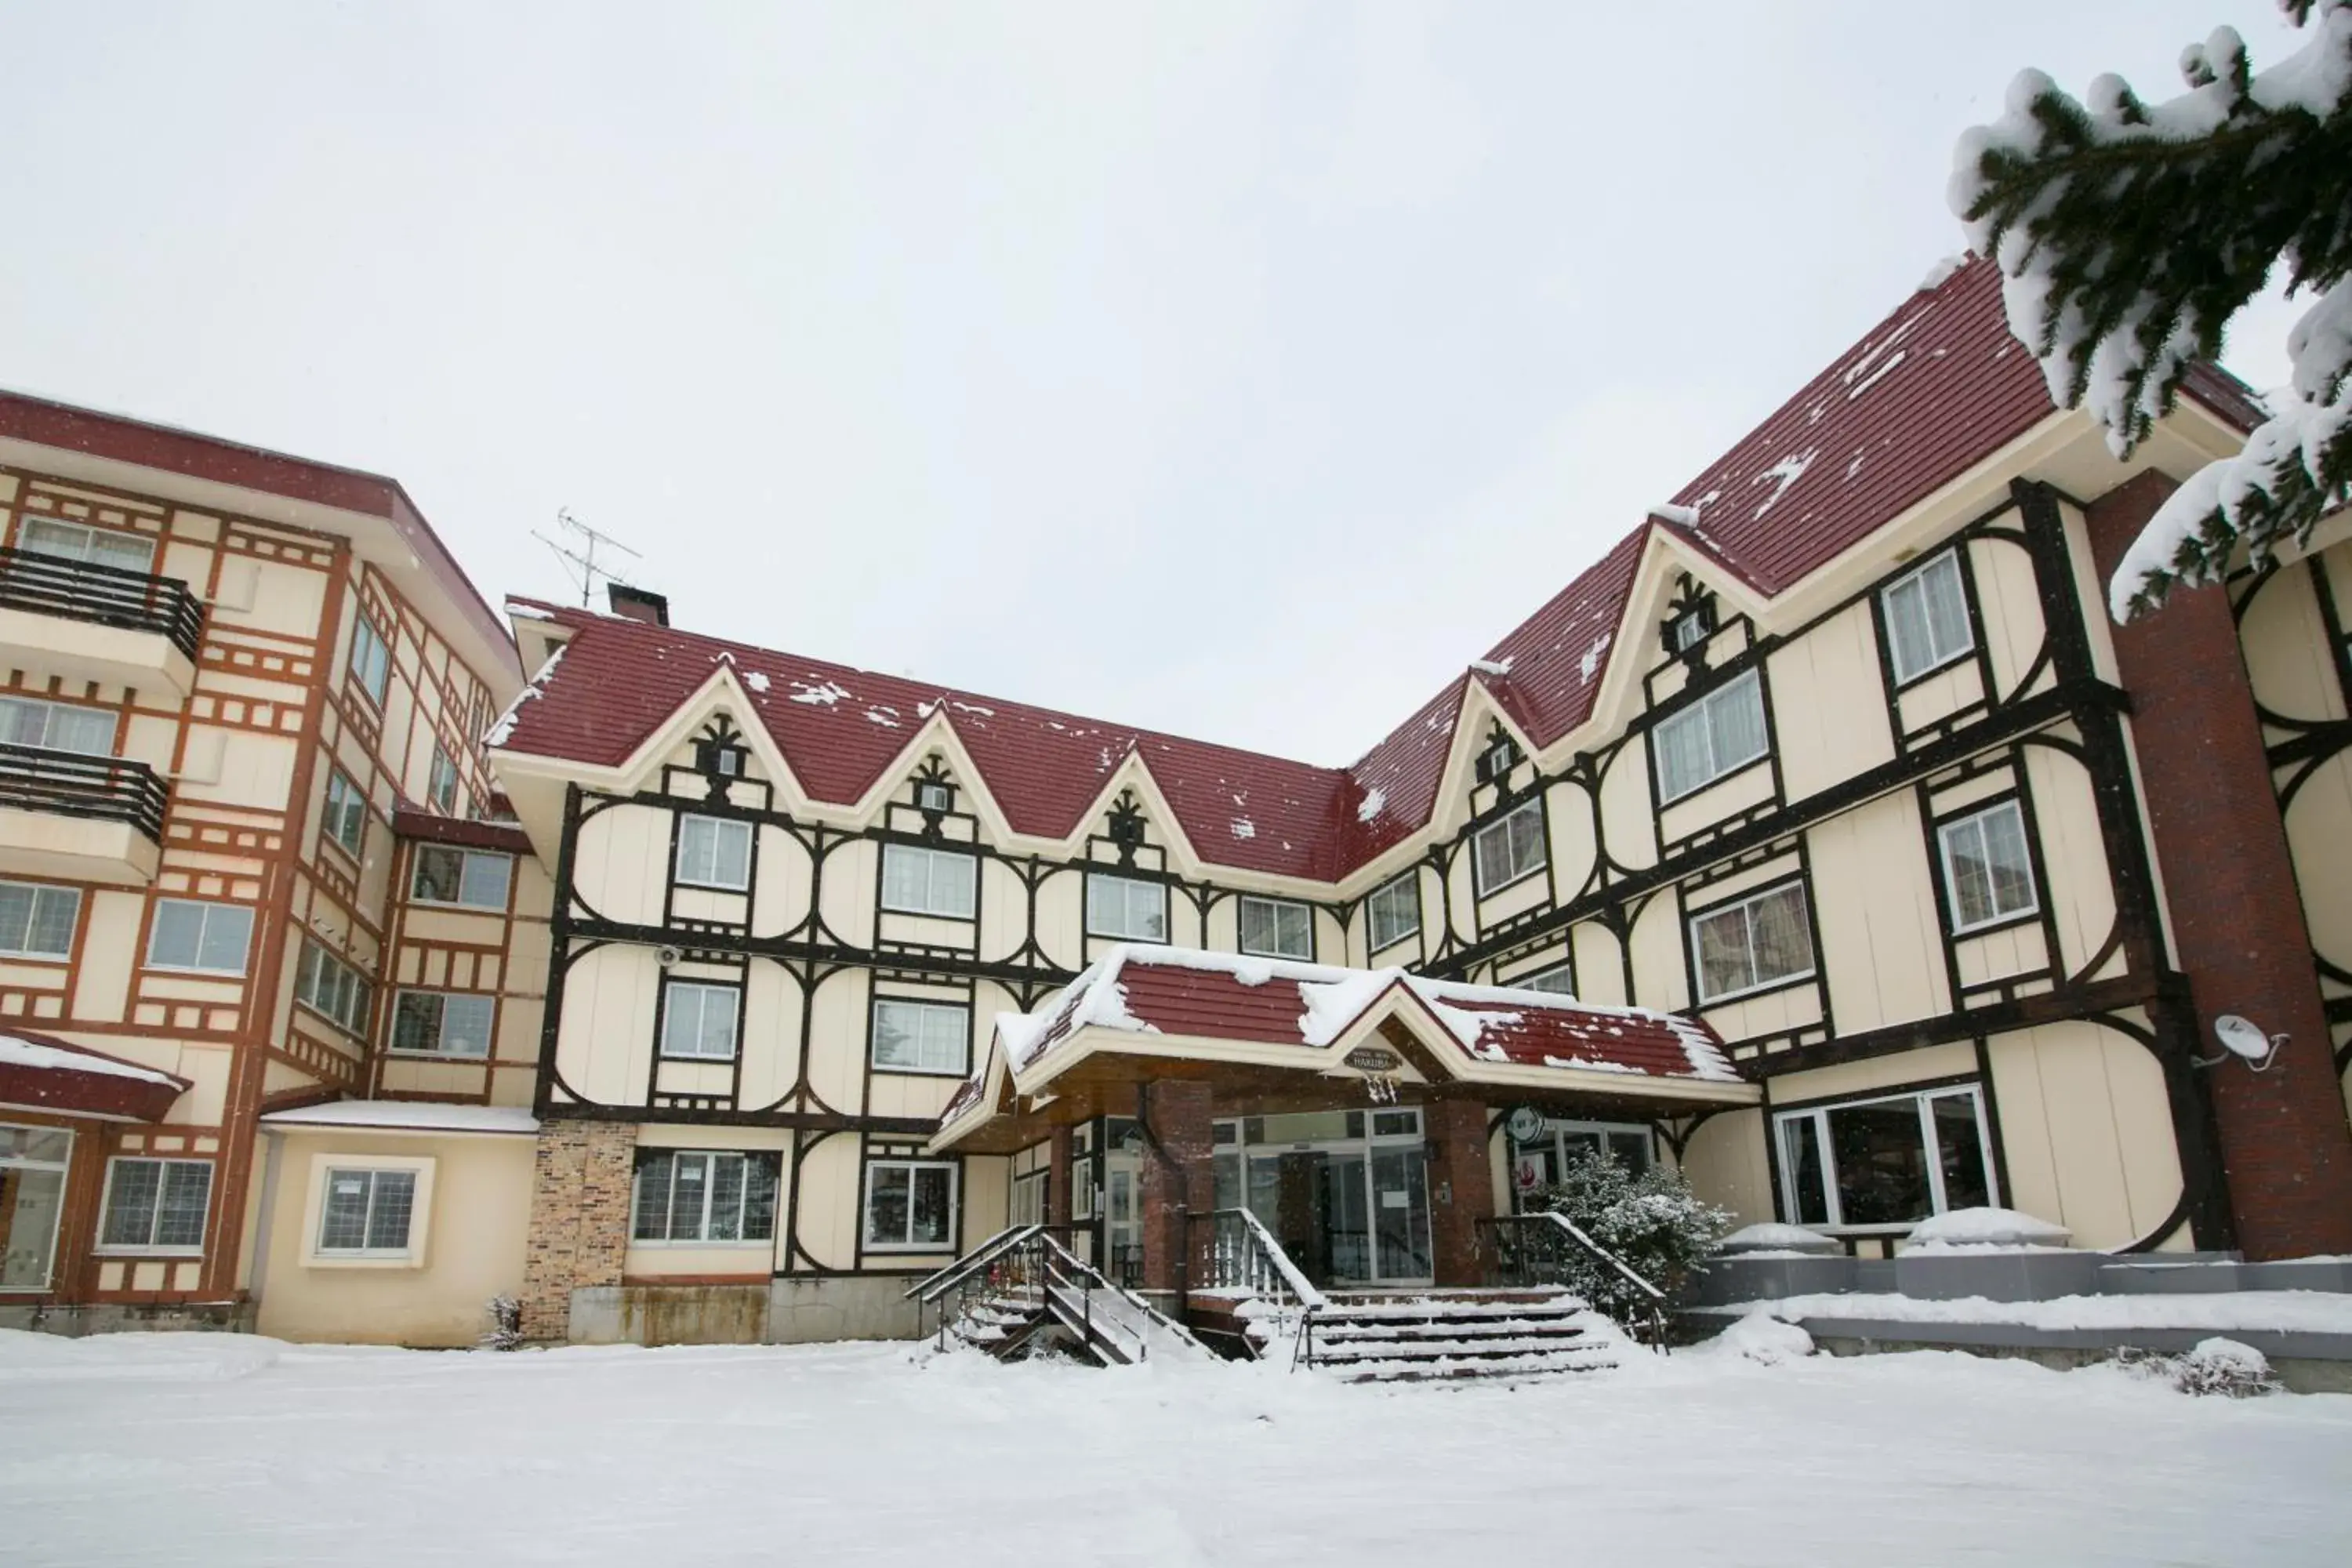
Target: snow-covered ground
x,y
210,1449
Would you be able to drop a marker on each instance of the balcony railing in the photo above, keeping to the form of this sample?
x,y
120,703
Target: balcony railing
x,y
135,600
113,789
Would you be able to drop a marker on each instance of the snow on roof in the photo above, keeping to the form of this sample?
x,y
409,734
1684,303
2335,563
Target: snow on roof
x,y
15,1051
409,1115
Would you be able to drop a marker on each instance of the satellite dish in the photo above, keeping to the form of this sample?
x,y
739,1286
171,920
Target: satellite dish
x,y
2242,1039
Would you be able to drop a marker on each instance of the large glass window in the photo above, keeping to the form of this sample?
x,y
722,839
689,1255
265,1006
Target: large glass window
x,y
370,660
921,1036
704,1197
156,1205
328,986
1721,731
1125,906
928,881
76,542
1927,617
476,879
698,1021
33,1164
37,921
56,726
1888,1161
441,782
1510,847
1542,1162
909,1205
1393,911
714,853
443,1023
189,933
1277,927
1988,874
1758,942
366,1213
346,812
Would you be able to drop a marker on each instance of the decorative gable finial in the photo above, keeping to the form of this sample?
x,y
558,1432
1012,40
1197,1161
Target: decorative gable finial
x,y
1690,620
719,754
1126,826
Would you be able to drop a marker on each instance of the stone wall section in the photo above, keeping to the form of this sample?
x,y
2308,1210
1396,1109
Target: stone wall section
x,y
580,1177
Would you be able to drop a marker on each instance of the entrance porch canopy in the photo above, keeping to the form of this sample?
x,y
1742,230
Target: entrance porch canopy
x,y
1283,1031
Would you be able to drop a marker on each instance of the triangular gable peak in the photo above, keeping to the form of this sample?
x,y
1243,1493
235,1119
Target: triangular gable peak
x,y
1484,721
1129,814
937,750
721,695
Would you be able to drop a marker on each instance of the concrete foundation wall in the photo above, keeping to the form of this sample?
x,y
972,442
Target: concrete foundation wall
x,y
780,1311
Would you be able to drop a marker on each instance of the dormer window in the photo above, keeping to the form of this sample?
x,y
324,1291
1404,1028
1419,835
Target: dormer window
x,y
1495,763
934,796
1690,629
721,759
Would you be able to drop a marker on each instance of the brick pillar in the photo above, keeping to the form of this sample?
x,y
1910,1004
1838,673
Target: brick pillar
x,y
1178,1179
581,1175
1059,1198
2237,914
1461,1188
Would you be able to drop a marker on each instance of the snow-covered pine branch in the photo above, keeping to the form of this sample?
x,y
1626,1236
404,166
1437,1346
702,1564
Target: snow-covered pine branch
x,y
2128,234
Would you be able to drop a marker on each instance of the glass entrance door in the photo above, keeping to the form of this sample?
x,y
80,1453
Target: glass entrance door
x,y
1346,1193
1400,1213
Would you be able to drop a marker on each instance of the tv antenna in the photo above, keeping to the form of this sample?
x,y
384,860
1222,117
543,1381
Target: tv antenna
x,y
582,564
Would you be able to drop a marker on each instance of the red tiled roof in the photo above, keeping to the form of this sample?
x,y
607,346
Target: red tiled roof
x,y
1931,391
1211,1003
1644,1042
46,1073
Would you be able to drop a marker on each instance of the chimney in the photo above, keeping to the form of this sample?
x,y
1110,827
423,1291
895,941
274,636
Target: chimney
x,y
638,604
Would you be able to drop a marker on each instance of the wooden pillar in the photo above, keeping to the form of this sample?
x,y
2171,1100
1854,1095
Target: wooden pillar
x,y
1058,1205
1178,1179
1461,1188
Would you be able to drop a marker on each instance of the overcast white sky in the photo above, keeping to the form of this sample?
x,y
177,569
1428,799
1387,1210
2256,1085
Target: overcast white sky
x,y
1240,370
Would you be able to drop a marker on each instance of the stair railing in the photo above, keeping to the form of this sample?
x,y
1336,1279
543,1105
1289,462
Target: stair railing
x,y
1029,1263
1244,1256
984,1266
1532,1251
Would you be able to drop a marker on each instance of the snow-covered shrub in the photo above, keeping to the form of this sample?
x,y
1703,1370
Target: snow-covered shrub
x,y
506,1325
1760,1337
1653,1222
2216,1365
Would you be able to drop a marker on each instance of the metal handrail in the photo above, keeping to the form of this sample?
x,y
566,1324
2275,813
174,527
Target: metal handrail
x,y
1258,1263
71,784
931,1286
1028,1258
1590,1245
109,595
1647,1319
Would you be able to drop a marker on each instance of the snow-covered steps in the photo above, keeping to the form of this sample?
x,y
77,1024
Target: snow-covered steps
x,y
1458,1334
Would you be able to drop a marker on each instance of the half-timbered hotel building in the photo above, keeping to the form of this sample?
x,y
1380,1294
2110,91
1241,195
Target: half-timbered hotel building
x,y
1823,839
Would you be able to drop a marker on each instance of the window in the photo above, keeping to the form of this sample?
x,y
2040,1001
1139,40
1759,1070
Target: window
x,y
1123,907
1721,731
346,813
1497,759
1888,1161
909,1205
1690,629
1395,912
326,986
57,727
38,921
443,1023
1755,942
441,782
476,879
1510,847
698,1021
921,1036
1277,927
1543,1162
1560,980
1988,874
370,660
1927,617
188,933
714,854
928,881
367,1213
930,796
96,546
694,1195
156,1205
33,1163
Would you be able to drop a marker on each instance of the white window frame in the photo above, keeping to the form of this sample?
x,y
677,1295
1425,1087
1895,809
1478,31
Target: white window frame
x,y
955,1205
927,1007
1702,714
1716,911
440,1052
1503,830
49,710
1097,880
39,890
466,858
150,1248
1690,629
909,855
63,1169
933,796
1274,909
420,1212
370,660
90,534
670,990
442,780
702,1236
1931,1145
1937,657
307,969
1411,883
212,909
1945,833
352,809
722,830
1564,973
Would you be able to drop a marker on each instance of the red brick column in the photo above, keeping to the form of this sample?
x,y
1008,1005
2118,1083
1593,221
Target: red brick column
x,y
1059,1198
2237,914
1461,1187
1178,1178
